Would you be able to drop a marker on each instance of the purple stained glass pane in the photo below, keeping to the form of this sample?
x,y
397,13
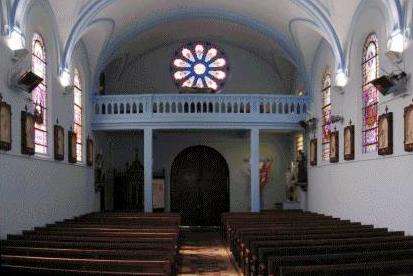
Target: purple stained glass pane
x,y
369,93
78,130
326,151
40,149
40,137
39,94
370,148
78,97
371,136
326,133
79,152
327,114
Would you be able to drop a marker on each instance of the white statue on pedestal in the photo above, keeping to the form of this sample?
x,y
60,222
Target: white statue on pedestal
x,y
291,176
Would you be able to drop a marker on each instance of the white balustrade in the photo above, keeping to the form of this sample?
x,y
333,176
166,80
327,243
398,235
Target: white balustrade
x,y
181,109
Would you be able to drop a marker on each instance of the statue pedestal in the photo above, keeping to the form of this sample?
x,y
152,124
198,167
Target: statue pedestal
x,y
291,205
303,198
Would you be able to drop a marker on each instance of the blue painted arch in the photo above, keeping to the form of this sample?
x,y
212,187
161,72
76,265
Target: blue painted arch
x,y
317,13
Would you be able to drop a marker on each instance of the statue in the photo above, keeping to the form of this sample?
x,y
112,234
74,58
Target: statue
x,y
301,170
99,175
290,176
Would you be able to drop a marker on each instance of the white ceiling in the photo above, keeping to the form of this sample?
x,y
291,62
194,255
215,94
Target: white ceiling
x,y
258,26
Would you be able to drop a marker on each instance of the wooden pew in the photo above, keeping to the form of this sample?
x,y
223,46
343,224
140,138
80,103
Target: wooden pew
x,y
312,242
133,265
260,257
277,263
29,270
384,268
96,244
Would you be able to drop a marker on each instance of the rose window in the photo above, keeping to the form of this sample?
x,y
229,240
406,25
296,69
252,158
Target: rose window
x,y
200,66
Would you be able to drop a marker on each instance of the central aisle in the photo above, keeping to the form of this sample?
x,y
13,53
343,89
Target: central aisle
x,y
203,253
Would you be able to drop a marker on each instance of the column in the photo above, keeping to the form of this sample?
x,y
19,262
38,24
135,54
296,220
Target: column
x,y
255,173
147,164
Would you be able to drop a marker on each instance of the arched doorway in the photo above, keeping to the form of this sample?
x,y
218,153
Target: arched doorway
x,y
200,186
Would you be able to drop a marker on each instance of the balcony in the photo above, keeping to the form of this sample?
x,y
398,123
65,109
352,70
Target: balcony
x,y
172,111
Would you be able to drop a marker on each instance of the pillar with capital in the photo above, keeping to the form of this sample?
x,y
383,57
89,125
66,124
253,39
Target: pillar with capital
x,y
147,164
255,173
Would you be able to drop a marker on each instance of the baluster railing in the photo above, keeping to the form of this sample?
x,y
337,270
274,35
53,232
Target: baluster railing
x,y
161,107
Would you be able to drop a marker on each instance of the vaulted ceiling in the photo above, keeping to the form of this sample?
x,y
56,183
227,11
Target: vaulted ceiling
x,y
282,32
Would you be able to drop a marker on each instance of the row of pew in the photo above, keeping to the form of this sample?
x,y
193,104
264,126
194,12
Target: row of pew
x,y
292,242
96,244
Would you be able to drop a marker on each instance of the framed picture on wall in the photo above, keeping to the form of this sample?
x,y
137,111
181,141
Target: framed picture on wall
x,y
59,142
313,152
386,134
72,146
408,128
89,151
5,126
27,133
349,142
334,146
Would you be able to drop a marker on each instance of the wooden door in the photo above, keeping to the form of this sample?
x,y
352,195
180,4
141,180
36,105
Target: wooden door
x,y
200,186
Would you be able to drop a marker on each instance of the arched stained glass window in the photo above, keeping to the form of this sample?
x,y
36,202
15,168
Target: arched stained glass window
x,y
39,94
370,67
200,65
77,114
326,115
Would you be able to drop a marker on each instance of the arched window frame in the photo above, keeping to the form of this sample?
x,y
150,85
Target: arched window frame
x,y
78,114
326,115
370,96
39,94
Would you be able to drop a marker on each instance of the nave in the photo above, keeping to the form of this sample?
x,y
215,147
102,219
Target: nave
x,y
276,242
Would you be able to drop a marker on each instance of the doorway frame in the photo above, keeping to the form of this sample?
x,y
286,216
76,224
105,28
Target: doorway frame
x,y
174,164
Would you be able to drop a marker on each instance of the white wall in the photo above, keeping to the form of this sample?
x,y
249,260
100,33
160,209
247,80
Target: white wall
x,y
233,146
372,188
35,190
150,73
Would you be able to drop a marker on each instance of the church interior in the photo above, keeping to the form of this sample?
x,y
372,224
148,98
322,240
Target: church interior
x,y
189,137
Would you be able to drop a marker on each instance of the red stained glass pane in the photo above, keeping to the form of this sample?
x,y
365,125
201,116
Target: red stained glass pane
x,y
370,117
326,133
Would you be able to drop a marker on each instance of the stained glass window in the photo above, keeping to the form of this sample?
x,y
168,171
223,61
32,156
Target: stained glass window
x,y
39,94
299,143
370,67
77,114
200,65
326,115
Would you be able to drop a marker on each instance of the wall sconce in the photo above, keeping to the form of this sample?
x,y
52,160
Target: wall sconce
x,y
337,118
68,89
64,78
15,41
309,124
340,81
20,54
395,46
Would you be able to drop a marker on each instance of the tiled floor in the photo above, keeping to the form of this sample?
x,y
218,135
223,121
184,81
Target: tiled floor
x,y
203,253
